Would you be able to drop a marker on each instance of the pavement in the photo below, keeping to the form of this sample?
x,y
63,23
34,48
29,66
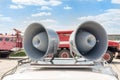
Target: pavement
x,y
9,63
6,65
116,66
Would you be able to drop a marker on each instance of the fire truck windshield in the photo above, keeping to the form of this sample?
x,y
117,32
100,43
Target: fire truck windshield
x,y
6,39
1,39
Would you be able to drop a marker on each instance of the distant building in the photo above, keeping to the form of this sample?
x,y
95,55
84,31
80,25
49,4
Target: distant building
x,y
115,37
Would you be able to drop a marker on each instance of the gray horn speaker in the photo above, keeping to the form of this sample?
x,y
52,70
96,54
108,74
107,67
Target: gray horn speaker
x,y
89,40
39,41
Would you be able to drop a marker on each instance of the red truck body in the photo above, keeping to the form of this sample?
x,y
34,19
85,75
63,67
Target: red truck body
x,y
64,38
113,44
10,43
64,46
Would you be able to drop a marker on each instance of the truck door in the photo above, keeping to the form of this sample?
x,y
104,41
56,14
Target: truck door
x,y
1,43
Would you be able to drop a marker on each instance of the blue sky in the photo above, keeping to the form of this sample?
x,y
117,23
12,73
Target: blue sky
x,y
59,14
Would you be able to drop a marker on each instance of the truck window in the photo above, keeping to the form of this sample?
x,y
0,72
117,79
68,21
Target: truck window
x,y
67,34
114,37
6,39
1,39
14,39
11,39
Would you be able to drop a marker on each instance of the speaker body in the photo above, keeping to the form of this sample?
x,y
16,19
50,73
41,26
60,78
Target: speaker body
x,y
39,41
89,40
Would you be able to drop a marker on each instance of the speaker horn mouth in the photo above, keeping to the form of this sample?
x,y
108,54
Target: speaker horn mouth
x,y
36,42
89,40
40,41
85,41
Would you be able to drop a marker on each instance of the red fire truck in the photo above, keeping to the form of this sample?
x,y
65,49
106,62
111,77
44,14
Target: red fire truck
x,y
64,50
10,43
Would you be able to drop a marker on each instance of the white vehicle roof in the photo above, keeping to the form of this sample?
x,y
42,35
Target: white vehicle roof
x,y
59,75
54,72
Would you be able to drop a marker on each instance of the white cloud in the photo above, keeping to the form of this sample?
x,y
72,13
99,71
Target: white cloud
x,y
110,19
48,21
1,15
91,0
99,0
57,27
38,2
54,2
16,6
42,21
45,8
41,14
4,18
115,1
67,7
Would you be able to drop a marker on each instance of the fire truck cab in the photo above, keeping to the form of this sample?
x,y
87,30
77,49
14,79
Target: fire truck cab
x,y
9,43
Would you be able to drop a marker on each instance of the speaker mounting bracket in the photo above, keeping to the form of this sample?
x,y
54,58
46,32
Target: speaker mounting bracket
x,y
55,51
